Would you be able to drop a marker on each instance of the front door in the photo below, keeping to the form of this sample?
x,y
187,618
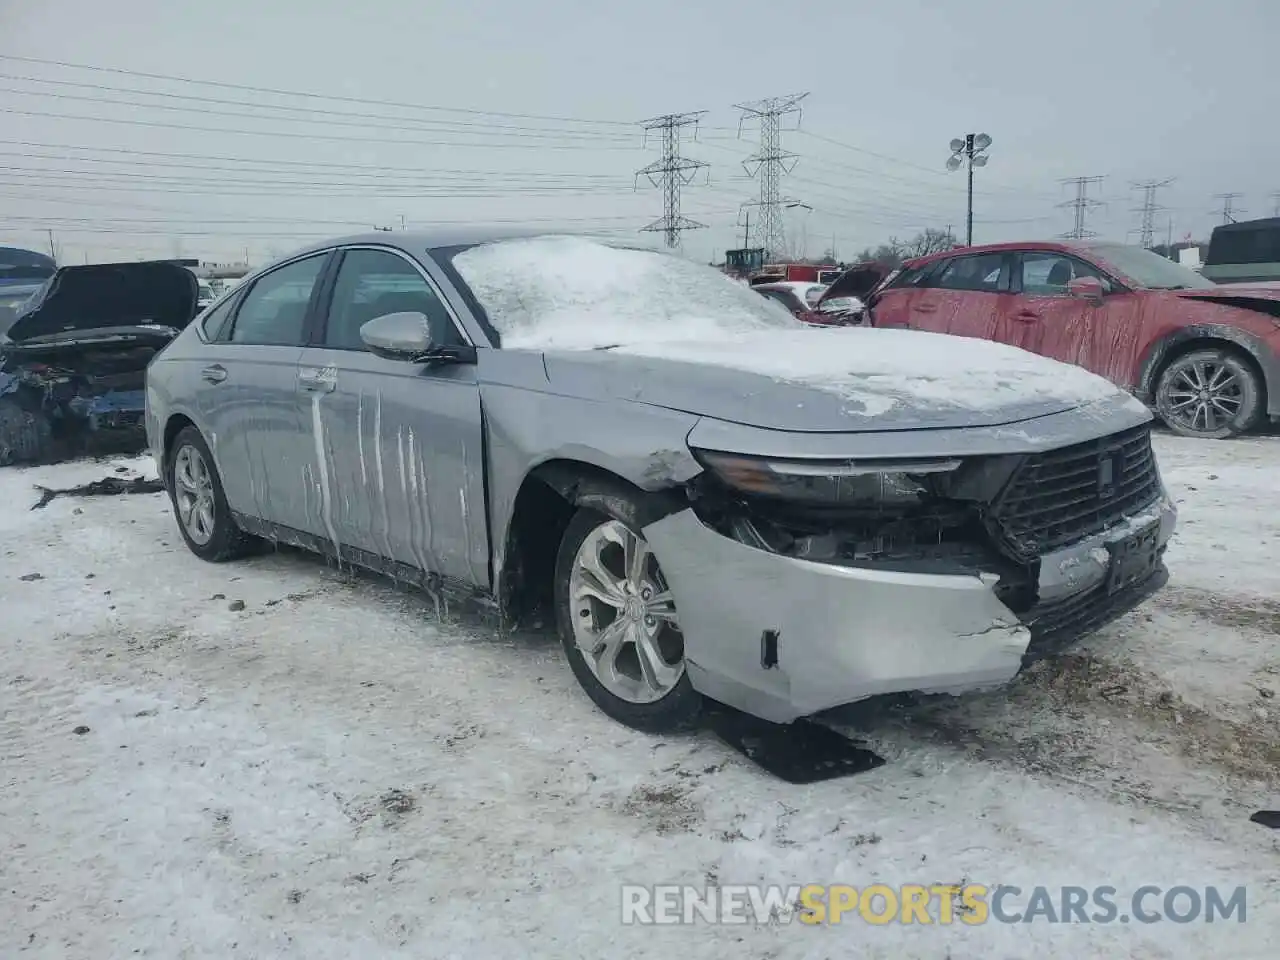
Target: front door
x,y
398,444
248,404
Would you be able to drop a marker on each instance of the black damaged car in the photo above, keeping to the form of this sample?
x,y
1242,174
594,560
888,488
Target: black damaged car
x,y
73,357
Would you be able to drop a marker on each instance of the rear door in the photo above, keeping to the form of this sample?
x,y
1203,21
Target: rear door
x,y
964,295
398,444
247,401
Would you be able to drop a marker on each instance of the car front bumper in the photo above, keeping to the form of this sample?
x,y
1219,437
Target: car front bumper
x,y
782,638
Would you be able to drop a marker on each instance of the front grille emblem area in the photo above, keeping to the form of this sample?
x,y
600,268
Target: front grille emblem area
x,y
1108,474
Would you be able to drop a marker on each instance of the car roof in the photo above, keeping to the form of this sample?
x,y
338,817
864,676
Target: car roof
x,y
417,241
1057,246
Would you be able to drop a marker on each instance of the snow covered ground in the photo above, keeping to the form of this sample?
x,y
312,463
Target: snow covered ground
x,y
276,759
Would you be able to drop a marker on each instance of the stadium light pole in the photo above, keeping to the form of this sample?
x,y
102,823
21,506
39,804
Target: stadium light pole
x,y
970,147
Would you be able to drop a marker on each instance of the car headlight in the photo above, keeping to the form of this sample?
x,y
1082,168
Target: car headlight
x,y
874,483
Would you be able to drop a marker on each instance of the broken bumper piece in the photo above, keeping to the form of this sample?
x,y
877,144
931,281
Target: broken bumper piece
x,y
781,638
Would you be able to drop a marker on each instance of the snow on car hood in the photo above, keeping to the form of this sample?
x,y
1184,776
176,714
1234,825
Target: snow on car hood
x,y
841,379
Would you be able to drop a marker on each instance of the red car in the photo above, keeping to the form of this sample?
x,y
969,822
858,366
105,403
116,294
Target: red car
x,y
1206,357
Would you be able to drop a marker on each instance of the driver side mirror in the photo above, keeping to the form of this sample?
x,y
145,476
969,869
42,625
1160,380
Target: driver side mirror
x,y
398,336
1085,288
407,336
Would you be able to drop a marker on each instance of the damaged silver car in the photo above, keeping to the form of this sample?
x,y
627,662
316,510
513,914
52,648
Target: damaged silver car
x,y
711,498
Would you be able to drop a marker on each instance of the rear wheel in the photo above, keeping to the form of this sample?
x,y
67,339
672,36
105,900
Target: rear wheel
x,y
26,436
204,519
618,623
1212,394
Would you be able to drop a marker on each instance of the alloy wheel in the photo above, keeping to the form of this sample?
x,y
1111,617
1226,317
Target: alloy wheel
x,y
624,618
1204,396
193,494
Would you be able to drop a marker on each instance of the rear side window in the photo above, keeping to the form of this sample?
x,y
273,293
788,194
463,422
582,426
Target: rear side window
x,y
274,311
982,272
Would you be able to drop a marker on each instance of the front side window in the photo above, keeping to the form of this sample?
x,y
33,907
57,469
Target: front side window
x,y
274,311
980,273
214,321
373,283
1047,274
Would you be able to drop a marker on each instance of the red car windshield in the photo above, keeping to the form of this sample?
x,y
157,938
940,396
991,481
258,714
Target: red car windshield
x,y
1149,270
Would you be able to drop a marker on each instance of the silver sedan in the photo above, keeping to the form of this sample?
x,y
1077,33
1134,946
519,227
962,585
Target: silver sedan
x,y
711,498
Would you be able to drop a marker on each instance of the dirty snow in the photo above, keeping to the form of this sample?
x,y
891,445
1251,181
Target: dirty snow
x,y
571,293
282,760
879,368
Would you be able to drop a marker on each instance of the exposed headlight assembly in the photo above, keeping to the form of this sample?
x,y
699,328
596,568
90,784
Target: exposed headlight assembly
x,y
876,483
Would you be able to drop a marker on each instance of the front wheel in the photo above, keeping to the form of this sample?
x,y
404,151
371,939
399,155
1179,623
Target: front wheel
x,y
618,625
1211,394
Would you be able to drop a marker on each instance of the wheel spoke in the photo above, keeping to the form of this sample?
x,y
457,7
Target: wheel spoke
x,y
604,646
595,580
1210,422
1221,379
657,673
635,558
1227,406
662,606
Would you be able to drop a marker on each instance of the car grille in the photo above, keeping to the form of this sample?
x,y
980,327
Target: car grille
x,y
1061,496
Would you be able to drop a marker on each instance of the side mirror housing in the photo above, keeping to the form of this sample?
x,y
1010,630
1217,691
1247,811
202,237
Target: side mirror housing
x,y
398,336
1085,288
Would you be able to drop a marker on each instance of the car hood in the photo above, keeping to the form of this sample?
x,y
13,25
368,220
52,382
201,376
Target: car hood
x,y
95,296
841,379
1259,297
857,282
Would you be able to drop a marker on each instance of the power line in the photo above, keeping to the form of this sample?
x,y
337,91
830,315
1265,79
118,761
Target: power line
x,y
1082,204
169,78
1229,210
1149,209
673,172
769,163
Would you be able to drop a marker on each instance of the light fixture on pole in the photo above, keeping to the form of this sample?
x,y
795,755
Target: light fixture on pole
x,y
970,147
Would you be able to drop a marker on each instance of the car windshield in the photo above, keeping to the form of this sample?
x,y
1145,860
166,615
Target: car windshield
x,y
574,293
1148,269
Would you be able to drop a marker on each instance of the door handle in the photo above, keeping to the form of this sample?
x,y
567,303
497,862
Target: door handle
x,y
318,381
1026,316
215,373
926,308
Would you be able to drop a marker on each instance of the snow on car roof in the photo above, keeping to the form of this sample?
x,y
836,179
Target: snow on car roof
x,y
574,293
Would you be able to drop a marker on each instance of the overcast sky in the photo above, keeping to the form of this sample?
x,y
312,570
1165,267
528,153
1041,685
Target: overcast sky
x,y
542,98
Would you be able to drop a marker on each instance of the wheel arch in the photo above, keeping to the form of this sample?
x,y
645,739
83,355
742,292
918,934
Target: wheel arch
x,y
546,500
1200,336
176,423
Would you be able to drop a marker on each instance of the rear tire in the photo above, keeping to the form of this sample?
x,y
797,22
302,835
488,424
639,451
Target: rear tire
x,y
199,505
26,436
1210,394
636,673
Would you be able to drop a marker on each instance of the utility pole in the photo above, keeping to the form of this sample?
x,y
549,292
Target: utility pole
x,y
1275,198
1168,246
1082,204
746,231
53,250
1149,209
1229,210
402,222
969,148
672,172
770,162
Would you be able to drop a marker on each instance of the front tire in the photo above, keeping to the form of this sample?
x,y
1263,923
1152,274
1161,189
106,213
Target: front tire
x,y
1210,394
617,621
200,506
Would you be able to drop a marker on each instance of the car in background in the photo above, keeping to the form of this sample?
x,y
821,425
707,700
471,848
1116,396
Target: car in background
x,y
73,357
1205,356
22,273
798,297
1244,252
709,498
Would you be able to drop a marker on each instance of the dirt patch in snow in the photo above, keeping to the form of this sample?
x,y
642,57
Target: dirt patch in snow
x,y
1236,612
667,807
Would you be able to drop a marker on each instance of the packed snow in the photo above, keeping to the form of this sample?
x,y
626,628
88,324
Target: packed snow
x,y
274,758
879,369
571,293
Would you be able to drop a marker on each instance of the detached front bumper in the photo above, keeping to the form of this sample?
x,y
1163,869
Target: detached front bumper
x,y
782,638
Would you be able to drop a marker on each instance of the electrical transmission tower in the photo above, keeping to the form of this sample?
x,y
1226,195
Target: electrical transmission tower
x,y
1229,210
1149,209
770,163
672,173
1082,204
